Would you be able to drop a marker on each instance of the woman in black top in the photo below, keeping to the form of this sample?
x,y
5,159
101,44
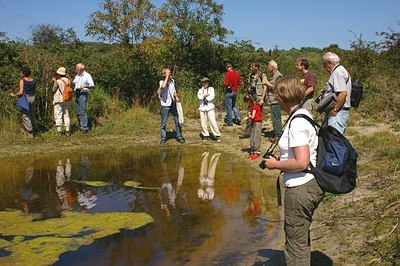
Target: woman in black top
x,y
27,88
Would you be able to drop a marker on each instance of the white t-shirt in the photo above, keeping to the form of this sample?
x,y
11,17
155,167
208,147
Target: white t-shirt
x,y
301,133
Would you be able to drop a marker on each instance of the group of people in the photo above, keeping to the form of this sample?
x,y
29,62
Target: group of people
x,y
83,82
297,143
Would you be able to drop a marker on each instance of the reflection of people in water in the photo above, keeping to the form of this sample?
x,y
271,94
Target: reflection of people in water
x,y
207,173
27,194
86,198
63,173
173,199
167,192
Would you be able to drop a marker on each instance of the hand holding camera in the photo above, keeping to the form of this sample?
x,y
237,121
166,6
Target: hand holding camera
x,y
267,155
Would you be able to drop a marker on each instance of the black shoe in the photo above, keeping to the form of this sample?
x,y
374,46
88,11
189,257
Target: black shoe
x,y
181,141
236,121
244,136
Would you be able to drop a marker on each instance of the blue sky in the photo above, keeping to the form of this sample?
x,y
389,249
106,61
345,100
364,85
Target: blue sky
x,y
284,23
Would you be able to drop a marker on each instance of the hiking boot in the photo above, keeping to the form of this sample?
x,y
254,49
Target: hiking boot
x,y
181,141
162,141
227,125
67,133
218,138
59,134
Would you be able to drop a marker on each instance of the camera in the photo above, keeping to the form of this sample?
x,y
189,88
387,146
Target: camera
x,y
262,165
205,101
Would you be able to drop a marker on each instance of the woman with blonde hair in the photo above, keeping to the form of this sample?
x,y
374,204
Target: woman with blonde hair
x,y
297,146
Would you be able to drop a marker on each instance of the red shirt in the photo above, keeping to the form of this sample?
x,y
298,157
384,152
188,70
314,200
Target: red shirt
x,y
258,116
232,79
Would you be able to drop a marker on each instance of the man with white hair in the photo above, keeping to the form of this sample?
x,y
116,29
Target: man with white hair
x,y
276,115
83,82
340,83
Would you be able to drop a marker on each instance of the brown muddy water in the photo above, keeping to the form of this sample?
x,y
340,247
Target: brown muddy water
x,y
208,207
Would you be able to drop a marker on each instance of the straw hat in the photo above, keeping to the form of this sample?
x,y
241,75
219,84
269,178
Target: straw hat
x,y
61,71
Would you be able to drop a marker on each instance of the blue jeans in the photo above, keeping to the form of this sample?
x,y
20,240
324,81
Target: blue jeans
x,y
339,121
230,105
80,106
165,110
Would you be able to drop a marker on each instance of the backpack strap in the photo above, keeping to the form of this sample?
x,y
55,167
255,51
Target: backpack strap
x,y
315,125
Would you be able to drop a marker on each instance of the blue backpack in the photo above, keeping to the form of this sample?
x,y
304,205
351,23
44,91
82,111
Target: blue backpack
x,y
336,167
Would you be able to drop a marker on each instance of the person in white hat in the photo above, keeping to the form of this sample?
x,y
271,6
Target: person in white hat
x,y
207,114
61,107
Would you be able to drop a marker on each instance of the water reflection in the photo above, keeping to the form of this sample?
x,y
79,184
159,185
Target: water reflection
x,y
65,195
235,218
206,191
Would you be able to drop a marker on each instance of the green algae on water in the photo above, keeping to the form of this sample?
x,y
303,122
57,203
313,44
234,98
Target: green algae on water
x,y
93,183
42,242
138,185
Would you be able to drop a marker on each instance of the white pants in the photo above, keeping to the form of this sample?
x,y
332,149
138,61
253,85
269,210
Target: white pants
x,y
61,110
209,117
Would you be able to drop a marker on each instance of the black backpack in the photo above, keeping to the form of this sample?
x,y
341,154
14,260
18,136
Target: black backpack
x,y
336,169
356,92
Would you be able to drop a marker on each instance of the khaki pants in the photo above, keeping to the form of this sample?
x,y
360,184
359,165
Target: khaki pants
x,y
209,117
300,203
61,111
309,105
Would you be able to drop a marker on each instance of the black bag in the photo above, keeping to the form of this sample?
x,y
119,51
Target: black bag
x,y
356,92
336,169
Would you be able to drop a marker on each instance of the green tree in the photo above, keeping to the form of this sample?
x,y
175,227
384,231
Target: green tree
x,y
193,28
126,22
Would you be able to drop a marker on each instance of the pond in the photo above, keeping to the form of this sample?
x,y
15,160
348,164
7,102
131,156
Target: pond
x,y
208,207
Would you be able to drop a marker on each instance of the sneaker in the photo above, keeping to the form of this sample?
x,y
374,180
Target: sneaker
x,y
255,156
162,141
218,138
181,141
244,136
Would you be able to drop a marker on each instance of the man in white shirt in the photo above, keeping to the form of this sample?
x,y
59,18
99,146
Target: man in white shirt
x,y
83,82
340,83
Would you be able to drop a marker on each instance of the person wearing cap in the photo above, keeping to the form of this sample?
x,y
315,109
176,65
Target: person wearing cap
x,y
206,97
83,83
61,107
